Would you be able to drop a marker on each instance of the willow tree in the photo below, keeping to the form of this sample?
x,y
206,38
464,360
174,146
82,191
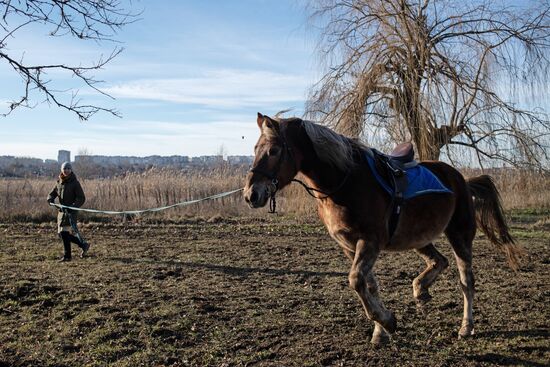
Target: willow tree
x,y
86,20
438,73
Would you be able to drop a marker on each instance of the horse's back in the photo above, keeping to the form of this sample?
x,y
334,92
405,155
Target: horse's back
x,y
453,180
447,174
463,218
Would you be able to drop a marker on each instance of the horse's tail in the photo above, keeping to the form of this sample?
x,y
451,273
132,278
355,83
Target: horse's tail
x,y
490,217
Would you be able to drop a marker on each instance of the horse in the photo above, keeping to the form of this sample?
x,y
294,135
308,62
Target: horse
x,y
354,208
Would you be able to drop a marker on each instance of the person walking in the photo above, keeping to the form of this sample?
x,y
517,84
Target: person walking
x,y
70,193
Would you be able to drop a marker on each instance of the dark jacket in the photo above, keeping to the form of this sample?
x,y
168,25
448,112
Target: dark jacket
x,y
70,193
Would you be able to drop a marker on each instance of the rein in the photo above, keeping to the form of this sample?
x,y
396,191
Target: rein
x,y
310,190
275,182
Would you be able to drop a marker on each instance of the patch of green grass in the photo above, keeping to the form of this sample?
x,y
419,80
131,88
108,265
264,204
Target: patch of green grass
x,y
530,234
529,215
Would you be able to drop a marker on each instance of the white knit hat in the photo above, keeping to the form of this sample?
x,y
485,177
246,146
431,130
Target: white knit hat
x,y
66,165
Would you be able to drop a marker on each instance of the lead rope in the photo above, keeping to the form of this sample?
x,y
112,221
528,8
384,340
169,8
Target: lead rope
x,y
150,210
74,226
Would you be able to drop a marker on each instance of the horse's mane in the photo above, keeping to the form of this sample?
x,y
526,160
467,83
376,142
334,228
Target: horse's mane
x,y
331,147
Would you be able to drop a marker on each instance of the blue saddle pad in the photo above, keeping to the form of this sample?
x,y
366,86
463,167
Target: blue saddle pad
x,y
420,181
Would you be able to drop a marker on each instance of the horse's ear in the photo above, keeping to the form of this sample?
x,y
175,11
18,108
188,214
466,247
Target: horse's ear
x,y
260,120
267,122
271,124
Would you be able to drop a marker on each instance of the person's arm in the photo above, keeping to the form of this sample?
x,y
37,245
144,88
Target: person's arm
x,y
52,195
79,197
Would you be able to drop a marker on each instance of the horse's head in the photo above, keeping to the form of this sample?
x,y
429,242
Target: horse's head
x,y
274,163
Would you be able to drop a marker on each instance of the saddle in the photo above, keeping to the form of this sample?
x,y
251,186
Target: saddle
x,y
403,153
392,167
402,178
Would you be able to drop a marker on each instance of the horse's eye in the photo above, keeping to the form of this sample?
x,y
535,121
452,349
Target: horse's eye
x,y
273,151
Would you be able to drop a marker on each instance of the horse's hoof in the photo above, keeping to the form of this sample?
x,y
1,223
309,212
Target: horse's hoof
x,y
423,298
380,339
391,324
466,331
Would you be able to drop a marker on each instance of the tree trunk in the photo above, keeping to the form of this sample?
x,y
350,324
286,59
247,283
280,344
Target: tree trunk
x,y
427,149
430,141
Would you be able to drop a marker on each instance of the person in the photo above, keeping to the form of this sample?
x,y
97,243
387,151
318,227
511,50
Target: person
x,y
70,193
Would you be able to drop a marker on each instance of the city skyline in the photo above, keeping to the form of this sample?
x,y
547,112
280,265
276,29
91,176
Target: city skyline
x,y
102,166
67,156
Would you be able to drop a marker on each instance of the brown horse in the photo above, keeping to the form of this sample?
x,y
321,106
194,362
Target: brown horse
x,y
353,206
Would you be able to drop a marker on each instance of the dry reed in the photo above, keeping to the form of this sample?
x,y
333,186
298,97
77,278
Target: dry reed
x,y
25,199
519,189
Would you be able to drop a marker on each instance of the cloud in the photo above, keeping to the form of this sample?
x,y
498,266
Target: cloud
x,y
141,137
219,88
134,139
192,126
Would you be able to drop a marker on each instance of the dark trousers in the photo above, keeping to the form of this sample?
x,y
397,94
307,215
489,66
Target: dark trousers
x,y
67,239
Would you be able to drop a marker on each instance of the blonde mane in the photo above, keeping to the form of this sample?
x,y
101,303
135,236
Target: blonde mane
x,y
332,148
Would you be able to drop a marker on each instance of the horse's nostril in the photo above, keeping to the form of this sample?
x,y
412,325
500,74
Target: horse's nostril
x,y
253,197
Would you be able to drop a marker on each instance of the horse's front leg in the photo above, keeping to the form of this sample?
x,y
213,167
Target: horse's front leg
x,y
362,280
379,336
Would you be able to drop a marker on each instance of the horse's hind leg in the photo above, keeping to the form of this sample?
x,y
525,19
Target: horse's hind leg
x,y
363,282
436,263
462,247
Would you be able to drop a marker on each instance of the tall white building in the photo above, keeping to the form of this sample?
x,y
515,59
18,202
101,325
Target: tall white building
x,y
63,156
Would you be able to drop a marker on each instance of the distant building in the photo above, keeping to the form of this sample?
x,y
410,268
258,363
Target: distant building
x,y
154,160
240,159
63,156
207,160
11,166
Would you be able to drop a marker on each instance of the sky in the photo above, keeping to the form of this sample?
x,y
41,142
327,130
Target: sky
x,y
191,78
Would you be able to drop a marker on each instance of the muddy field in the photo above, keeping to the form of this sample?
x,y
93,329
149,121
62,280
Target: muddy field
x,y
255,293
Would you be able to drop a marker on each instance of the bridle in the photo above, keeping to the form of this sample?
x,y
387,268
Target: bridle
x,y
273,176
287,152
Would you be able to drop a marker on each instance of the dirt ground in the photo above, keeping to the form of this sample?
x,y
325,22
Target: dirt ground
x,y
270,292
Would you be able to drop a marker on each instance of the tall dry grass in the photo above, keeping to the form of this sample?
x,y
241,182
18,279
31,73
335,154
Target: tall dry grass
x,y
519,189
25,199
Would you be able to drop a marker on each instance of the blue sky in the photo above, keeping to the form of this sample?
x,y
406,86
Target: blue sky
x,y
189,82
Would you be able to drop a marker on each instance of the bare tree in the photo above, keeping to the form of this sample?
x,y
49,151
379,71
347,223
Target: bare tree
x,y
441,73
95,20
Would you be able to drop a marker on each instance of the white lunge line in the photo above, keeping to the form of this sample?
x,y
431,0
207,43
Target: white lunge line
x,y
183,203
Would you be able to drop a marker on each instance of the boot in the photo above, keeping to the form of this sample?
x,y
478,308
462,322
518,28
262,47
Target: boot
x,y
85,247
65,236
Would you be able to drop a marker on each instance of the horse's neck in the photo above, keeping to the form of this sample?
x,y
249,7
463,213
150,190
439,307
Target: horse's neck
x,y
317,174
320,175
